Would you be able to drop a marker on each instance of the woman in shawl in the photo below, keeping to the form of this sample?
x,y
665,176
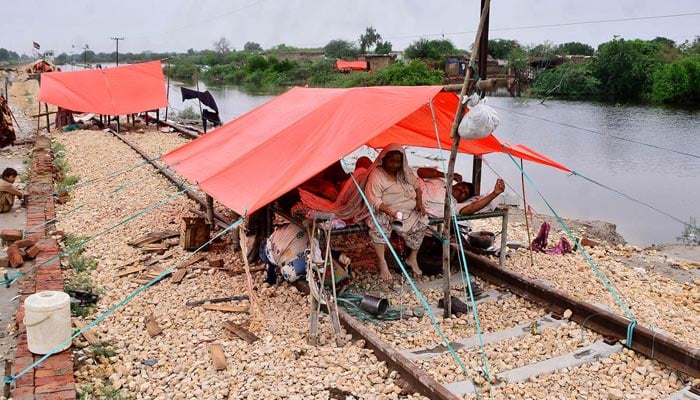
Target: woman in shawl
x,y
395,196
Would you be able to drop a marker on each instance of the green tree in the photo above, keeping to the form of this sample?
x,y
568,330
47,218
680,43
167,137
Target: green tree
x,y
574,48
341,49
625,68
430,49
678,82
569,80
4,55
369,38
499,48
383,48
252,46
516,59
544,50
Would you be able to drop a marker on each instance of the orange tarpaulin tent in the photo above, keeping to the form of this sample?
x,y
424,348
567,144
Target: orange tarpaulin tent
x,y
252,160
113,91
351,65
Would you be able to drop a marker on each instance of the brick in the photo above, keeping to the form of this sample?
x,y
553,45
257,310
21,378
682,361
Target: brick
x,y
53,380
26,379
62,395
4,262
43,373
54,387
23,393
11,235
21,363
60,360
24,243
32,251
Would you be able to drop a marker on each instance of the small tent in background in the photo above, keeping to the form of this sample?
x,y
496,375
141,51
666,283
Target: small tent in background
x,y
42,66
347,66
261,155
121,90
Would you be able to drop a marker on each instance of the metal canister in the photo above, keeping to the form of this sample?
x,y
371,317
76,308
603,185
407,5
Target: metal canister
x,y
398,219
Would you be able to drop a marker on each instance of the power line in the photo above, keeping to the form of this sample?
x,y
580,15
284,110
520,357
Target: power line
x,y
597,21
597,133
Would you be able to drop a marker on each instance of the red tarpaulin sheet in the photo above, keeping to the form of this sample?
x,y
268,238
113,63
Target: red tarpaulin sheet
x,y
351,65
112,91
252,160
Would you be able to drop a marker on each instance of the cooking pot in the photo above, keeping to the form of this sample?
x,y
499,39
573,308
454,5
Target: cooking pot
x,y
481,239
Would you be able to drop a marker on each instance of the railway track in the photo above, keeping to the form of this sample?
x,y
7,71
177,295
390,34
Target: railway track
x,y
537,341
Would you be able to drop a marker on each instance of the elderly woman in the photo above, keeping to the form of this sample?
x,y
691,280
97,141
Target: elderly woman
x,y
395,196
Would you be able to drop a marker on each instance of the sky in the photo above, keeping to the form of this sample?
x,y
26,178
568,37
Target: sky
x,y
66,26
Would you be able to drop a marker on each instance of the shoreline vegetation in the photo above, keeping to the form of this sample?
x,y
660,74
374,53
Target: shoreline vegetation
x,y
657,71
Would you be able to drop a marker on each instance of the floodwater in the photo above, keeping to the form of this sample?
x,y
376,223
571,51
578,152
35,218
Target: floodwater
x,y
645,160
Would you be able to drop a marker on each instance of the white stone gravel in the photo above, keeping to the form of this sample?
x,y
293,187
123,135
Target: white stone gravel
x,y
281,364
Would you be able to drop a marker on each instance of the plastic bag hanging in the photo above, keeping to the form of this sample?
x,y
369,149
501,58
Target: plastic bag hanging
x,y
480,121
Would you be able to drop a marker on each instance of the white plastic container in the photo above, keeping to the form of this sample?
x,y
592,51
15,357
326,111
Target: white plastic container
x,y
47,318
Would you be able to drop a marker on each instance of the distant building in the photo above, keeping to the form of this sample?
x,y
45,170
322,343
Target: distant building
x,y
299,55
378,61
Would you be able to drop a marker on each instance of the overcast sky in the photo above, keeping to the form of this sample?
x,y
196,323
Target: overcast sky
x,y
178,25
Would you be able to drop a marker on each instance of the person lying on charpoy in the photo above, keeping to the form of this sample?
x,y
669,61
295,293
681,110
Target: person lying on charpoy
x,y
395,195
433,185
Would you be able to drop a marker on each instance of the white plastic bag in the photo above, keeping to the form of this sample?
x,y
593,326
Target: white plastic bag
x,y
479,122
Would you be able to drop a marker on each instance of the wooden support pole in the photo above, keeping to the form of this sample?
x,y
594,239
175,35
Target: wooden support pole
x,y
210,211
446,227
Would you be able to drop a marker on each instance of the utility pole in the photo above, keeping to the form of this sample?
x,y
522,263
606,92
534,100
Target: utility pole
x,y
86,48
117,39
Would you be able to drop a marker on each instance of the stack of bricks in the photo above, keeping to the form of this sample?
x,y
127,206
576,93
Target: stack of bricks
x,y
53,378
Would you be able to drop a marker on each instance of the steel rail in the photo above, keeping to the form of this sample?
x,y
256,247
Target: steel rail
x,y
652,344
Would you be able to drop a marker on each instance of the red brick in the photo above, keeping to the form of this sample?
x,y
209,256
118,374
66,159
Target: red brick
x,y
23,393
11,235
53,380
55,387
43,373
23,351
32,251
62,395
60,360
26,379
24,243
21,363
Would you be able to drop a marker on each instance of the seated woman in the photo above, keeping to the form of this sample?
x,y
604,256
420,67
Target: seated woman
x,y
395,195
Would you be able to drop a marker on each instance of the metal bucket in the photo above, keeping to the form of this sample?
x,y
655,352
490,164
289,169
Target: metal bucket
x,y
373,304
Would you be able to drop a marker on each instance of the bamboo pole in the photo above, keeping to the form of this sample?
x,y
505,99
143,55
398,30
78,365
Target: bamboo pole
x,y
451,168
527,223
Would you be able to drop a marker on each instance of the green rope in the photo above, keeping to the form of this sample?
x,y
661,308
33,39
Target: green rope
x,y
593,265
122,222
61,346
422,299
120,188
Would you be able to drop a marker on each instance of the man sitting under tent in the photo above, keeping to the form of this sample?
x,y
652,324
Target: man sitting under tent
x,y
433,185
8,192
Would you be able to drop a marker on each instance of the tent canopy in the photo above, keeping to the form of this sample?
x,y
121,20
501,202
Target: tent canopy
x,y
252,160
113,91
351,65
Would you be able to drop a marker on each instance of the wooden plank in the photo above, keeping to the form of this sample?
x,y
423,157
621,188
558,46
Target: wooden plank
x,y
193,260
131,270
224,308
217,356
152,326
179,275
152,237
89,336
240,331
